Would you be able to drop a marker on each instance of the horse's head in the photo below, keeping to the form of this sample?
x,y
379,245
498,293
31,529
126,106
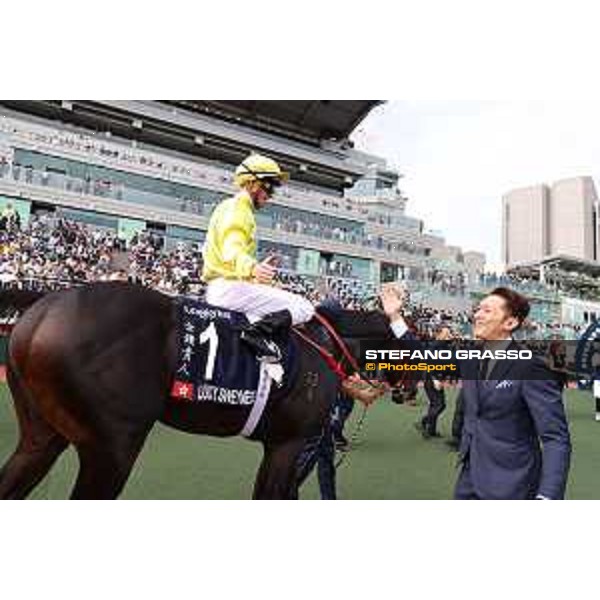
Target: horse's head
x,y
354,327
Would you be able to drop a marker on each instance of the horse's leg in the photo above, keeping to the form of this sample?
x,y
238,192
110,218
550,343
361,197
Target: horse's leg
x,y
105,465
277,477
113,441
28,465
38,448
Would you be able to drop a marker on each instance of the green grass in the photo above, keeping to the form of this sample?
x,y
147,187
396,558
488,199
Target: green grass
x,y
390,461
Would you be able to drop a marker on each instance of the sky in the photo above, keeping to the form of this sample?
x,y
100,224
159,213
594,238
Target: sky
x,y
458,158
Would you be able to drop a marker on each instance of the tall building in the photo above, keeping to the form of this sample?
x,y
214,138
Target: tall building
x,y
572,203
557,220
525,225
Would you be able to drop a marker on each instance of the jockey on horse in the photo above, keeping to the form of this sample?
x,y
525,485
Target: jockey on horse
x,y
235,278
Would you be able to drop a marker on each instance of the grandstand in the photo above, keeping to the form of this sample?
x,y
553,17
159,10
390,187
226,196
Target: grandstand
x,y
147,174
570,283
161,166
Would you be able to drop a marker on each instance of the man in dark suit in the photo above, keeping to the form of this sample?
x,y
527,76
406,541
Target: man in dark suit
x,y
458,419
436,396
515,441
436,404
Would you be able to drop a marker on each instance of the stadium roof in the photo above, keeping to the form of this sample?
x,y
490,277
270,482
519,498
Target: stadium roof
x,y
307,119
307,137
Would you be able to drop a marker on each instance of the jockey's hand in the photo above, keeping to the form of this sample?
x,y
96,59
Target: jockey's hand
x,y
264,272
392,300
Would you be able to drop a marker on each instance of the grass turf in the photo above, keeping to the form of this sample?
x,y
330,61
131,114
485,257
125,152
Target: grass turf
x,y
390,460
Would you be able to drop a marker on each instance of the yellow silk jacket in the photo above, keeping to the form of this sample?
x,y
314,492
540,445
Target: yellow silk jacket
x,y
230,247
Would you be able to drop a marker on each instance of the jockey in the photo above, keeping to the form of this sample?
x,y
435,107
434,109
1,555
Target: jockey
x,y
236,280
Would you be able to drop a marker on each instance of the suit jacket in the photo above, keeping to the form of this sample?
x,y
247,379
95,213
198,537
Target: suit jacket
x,y
515,440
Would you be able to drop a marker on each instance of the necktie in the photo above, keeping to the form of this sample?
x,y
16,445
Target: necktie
x,y
483,369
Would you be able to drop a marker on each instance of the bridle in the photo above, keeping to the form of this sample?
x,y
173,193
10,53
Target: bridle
x,y
337,366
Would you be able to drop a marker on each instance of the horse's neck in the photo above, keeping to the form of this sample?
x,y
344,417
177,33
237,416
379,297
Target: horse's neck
x,y
352,324
319,334
351,327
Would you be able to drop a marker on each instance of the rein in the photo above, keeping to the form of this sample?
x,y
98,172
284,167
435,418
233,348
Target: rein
x,y
353,438
337,367
333,334
332,363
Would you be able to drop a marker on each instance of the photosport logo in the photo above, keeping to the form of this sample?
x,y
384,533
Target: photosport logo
x,y
474,359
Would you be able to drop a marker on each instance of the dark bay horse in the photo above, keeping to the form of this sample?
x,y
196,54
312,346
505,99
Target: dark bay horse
x,y
93,366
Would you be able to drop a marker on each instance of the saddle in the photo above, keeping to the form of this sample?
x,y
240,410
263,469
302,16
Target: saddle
x,y
213,362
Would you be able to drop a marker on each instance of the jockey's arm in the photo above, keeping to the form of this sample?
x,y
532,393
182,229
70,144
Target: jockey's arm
x,y
235,252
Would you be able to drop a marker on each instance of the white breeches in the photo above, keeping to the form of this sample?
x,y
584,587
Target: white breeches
x,y
257,300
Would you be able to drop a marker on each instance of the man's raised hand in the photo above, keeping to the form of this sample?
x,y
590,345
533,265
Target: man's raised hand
x,y
392,300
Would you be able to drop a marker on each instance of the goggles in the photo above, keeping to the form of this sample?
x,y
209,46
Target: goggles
x,y
270,185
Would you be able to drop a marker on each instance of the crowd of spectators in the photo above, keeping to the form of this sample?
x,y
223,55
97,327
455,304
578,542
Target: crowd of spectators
x,y
539,330
56,252
453,284
299,223
459,284
555,282
342,268
574,284
174,272
428,320
527,285
315,227
351,294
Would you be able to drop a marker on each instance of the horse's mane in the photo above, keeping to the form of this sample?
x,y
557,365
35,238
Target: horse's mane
x,y
372,324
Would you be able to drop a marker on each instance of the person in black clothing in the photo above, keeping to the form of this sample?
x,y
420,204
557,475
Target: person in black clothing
x,y
342,409
319,451
457,422
436,397
436,405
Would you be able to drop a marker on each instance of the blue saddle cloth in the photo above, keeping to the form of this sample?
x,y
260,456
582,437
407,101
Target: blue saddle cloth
x,y
213,364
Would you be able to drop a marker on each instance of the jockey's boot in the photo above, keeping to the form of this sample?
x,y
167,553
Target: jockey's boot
x,y
259,335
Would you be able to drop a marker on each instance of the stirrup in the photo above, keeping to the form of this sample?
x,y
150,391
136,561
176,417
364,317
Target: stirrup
x,y
275,357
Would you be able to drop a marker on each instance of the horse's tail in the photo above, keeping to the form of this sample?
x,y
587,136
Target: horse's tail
x,y
14,302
